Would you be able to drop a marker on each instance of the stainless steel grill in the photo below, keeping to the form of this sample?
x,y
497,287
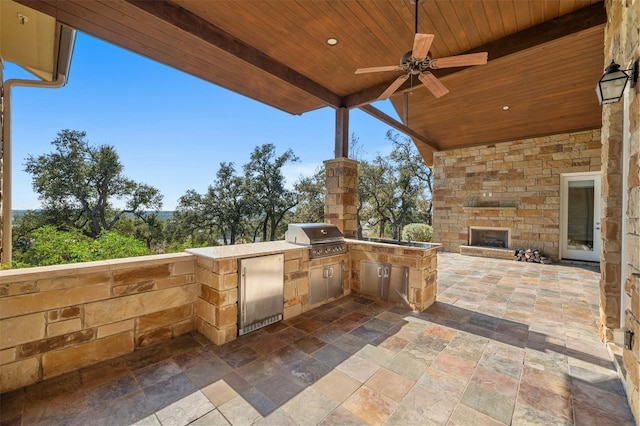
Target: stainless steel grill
x,y
323,239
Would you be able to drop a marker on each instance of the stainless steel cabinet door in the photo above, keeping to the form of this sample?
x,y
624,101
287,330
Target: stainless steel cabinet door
x,y
317,285
371,275
397,285
261,288
335,275
325,282
384,280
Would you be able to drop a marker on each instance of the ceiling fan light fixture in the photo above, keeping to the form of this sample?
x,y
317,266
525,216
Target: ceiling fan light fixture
x,y
417,62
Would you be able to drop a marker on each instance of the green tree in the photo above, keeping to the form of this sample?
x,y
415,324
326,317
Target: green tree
x,y
23,227
406,156
77,184
194,220
356,153
230,196
393,189
239,207
149,228
371,197
271,201
220,212
310,192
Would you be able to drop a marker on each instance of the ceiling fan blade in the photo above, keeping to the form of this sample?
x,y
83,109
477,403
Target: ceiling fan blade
x,y
421,45
460,60
433,84
393,87
378,69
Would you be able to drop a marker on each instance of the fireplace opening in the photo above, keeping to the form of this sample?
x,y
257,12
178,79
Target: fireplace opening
x,y
489,237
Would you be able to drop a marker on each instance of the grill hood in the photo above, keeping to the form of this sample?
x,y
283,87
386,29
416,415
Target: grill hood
x,y
313,233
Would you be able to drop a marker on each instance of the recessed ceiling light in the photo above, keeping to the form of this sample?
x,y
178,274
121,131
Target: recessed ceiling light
x,y
331,41
506,108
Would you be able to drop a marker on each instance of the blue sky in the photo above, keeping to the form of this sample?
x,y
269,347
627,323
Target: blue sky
x,y
170,129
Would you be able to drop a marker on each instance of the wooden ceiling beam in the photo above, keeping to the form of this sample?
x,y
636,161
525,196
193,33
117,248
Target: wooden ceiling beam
x,y
580,20
375,112
179,17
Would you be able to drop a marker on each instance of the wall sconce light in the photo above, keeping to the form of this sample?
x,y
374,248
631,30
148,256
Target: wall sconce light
x,y
611,85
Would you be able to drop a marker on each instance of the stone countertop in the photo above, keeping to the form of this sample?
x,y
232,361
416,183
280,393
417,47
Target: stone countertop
x,y
402,244
272,247
244,250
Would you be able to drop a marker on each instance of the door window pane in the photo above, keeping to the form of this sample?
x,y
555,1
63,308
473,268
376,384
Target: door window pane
x,y
580,215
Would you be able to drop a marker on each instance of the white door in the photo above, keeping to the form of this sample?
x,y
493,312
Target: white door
x,y
580,216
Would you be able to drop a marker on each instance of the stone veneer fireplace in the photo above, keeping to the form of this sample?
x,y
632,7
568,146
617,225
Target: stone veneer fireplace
x,y
509,185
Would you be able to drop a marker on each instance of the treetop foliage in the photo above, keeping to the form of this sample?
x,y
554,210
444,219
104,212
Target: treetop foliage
x,y
52,247
393,190
248,207
77,184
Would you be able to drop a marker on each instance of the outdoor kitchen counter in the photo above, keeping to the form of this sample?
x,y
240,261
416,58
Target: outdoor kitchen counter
x,y
420,259
271,247
244,250
217,277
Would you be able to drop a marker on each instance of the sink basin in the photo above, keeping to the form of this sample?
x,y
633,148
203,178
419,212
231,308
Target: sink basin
x,y
401,243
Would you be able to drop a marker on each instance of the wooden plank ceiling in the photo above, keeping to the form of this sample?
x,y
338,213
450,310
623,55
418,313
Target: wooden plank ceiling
x,y
544,56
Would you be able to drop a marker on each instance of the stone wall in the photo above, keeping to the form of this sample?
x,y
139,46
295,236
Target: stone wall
x,y
296,282
57,319
217,316
622,44
512,185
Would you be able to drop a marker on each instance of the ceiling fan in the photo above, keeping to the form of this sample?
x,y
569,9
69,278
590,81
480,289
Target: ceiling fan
x,y
417,62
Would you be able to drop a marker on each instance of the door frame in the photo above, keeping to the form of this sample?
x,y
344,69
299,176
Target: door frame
x,y
589,256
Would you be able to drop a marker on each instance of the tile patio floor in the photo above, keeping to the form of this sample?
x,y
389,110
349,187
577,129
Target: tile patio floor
x,y
506,343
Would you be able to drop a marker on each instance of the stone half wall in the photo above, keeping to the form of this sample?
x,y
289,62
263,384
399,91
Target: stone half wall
x,y
57,319
513,185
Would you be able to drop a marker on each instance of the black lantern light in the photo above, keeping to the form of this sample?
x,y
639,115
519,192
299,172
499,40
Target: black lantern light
x,y
611,86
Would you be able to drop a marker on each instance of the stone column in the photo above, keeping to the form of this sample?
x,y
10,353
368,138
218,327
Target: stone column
x,y
611,219
622,44
341,195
